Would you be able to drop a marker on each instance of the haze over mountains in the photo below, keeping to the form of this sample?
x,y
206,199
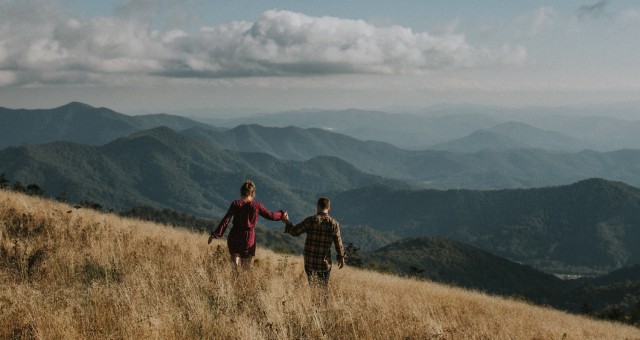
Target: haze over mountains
x,y
435,126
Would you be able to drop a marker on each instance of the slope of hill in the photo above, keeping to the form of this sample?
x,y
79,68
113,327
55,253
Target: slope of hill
x,y
446,261
83,274
77,122
163,169
614,296
586,227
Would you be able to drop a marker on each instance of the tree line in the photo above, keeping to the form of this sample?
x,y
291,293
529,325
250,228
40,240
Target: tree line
x,y
30,189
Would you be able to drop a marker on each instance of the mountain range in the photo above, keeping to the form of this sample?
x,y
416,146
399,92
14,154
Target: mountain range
x,y
488,169
493,162
161,168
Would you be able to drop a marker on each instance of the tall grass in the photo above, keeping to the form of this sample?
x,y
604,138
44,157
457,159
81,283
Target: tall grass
x,y
68,274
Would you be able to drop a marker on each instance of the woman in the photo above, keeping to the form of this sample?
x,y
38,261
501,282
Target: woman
x,y
242,237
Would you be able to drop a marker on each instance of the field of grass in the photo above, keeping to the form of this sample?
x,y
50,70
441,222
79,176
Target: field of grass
x,y
70,273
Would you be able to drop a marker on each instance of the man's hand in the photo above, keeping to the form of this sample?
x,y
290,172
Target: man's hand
x,y
211,238
341,263
285,217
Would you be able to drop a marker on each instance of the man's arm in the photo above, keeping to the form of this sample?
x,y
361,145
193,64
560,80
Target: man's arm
x,y
340,253
296,230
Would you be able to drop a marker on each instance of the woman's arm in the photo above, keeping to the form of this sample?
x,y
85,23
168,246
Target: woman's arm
x,y
222,226
273,216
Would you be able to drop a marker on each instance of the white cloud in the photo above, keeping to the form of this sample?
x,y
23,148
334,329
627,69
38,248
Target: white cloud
x,y
281,43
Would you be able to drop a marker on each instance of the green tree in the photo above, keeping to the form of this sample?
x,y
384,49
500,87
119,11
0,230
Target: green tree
x,y
416,271
18,187
4,182
35,190
635,315
353,256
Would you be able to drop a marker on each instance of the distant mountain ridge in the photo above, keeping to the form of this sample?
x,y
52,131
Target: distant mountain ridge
x,y
79,123
512,136
426,127
488,169
402,130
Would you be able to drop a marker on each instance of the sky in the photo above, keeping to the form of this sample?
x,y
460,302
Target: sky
x,y
169,55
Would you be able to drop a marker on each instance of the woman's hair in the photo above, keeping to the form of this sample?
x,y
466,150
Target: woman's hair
x,y
247,188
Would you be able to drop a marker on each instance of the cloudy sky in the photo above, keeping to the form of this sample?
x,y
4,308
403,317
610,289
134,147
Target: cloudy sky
x,y
169,55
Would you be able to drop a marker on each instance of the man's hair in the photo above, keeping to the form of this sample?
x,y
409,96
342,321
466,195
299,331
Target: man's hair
x,y
247,188
323,203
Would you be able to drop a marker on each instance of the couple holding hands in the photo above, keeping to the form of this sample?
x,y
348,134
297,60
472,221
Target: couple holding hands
x,y
321,230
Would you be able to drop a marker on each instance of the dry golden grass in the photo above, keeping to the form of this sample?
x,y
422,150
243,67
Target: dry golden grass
x,y
84,274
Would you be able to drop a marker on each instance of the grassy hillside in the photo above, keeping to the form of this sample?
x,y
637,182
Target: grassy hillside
x,y
67,273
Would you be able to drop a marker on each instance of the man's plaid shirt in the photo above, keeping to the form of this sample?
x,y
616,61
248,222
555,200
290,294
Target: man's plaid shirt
x,y
322,230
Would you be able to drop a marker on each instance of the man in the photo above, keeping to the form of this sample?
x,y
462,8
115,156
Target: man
x,y
321,230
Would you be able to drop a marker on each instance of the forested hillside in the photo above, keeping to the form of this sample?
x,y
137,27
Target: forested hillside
x,y
587,227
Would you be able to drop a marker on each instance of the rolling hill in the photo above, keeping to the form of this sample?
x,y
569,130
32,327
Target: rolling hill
x,y
587,227
614,296
442,260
